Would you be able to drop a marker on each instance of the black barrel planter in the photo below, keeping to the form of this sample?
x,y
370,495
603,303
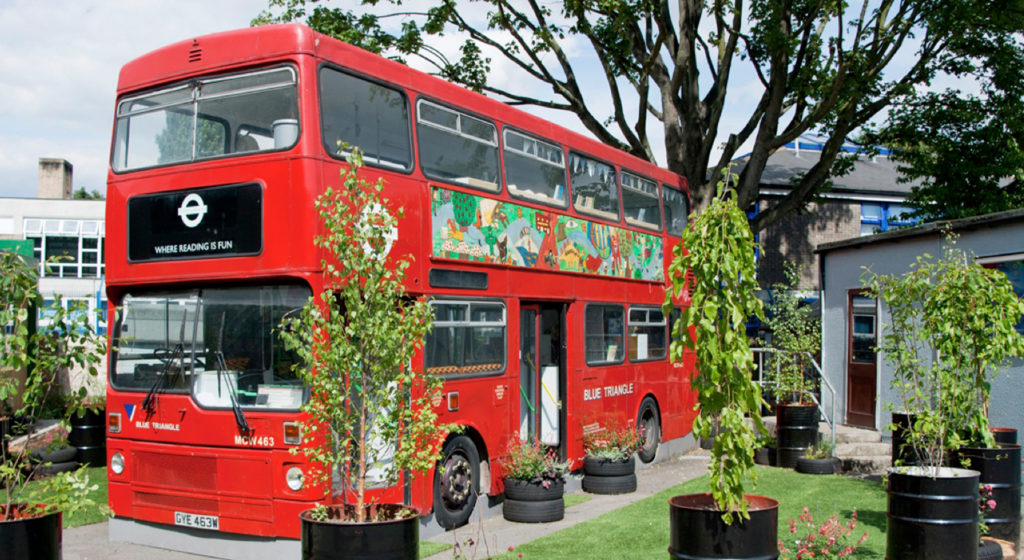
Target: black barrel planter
x,y
1004,435
765,456
999,468
932,513
397,539
531,502
698,532
603,476
811,465
89,435
35,538
796,431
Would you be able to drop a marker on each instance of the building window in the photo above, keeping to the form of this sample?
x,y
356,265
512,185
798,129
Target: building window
x,y
74,247
876,217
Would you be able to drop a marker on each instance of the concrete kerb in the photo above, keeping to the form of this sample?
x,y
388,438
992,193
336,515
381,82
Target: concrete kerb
x,y
489,531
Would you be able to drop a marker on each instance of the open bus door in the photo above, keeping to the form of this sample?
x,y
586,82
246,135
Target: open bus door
x,y
542,375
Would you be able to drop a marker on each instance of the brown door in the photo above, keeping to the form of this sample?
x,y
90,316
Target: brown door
x,y
862,364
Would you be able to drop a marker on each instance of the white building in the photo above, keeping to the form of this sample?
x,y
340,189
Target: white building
x,y
59,226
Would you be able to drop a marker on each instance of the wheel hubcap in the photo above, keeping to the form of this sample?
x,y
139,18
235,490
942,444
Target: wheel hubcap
x,y
456,481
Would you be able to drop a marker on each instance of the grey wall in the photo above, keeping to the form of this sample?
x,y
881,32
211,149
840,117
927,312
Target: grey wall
x,y
842,269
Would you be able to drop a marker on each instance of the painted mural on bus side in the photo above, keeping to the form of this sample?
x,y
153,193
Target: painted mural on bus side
x,y
476,228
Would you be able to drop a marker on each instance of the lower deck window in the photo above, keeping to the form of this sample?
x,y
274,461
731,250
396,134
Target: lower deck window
x,y
468,338
647,339
605,330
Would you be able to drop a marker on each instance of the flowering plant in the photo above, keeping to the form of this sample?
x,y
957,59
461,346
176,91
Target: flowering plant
x,y
831,539
612,443
533,462
986,503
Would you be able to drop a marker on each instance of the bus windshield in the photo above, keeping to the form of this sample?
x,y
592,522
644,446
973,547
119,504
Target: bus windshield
x,y
207,118
220,344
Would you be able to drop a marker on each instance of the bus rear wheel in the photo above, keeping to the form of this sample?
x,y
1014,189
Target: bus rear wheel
x,y
649,424
456,482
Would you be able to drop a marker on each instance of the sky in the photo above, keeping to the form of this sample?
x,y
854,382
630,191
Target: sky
x,y
59,62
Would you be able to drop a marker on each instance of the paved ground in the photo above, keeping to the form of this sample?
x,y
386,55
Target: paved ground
x,y
489,531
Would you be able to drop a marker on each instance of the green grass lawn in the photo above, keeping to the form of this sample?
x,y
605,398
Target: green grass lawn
x,y
641,530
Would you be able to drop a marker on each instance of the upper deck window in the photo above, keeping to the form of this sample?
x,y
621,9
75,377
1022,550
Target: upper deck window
x,y
677,210
594,188
640,201
457,147
534,169
366,115
207,118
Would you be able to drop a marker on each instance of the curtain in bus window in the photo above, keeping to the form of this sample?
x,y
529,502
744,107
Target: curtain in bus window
x,y
605,330
594,188
457,147
534,169
366,115
468,339
640,202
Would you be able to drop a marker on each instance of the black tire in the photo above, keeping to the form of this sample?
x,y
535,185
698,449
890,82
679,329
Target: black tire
x,y
649,423
808,465
609,484
456,482
521,491
59,455
54,468
533,512
604,467
990,550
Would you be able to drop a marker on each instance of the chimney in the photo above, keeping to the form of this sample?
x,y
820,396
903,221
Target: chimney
x,y
54,178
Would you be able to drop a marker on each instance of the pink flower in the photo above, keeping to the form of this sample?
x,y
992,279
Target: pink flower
x,y
991,504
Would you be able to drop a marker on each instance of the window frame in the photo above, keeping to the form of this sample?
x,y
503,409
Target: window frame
x,y
665,187
464,324
621,355
595,212
386,85
521,195
659,226
472,182
663,324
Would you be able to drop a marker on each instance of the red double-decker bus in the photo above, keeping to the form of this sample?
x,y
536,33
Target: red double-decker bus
x,y
543,253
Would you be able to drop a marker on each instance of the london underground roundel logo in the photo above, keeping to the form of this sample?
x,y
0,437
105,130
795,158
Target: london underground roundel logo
x,y
192,210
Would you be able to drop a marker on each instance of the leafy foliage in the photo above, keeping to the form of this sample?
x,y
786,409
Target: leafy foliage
x,y
68,342
824,67
831,539
796,338
369,408
717,271
951,326
965,149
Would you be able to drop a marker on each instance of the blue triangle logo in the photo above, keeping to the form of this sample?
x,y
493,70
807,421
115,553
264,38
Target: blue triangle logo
x,y
130,409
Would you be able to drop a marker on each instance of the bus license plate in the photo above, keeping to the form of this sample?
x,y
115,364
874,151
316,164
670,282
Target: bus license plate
x,y
211,522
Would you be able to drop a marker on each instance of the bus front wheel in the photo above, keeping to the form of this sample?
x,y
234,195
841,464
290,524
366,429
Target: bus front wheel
x,y
456,482
649,424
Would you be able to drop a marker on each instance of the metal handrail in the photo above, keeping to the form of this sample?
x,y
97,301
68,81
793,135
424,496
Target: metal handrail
x,y
830,419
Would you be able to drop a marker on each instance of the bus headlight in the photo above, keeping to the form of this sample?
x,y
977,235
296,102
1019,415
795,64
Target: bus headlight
x,y
117,463
294,478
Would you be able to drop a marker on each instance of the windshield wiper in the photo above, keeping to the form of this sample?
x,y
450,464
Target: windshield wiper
x,y
222,368
149,402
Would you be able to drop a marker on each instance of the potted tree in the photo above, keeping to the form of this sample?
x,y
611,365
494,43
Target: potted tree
x,y
369,411
714,270
951,323
609,463
31,360
795,339
534,483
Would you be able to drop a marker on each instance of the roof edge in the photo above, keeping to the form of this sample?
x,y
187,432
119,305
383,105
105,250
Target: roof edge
x,y
930,228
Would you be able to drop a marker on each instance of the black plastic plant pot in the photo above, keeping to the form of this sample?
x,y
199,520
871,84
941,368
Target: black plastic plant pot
x,y
932,513
35,538
89,435
1004,435
698,531
796,432
384,540
1000,469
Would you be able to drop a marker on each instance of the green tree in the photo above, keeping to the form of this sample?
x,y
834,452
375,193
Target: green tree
x,y
966,150
826,67
82,194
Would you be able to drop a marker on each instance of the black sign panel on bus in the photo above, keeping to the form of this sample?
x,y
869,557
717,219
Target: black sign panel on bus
x,y
210,222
